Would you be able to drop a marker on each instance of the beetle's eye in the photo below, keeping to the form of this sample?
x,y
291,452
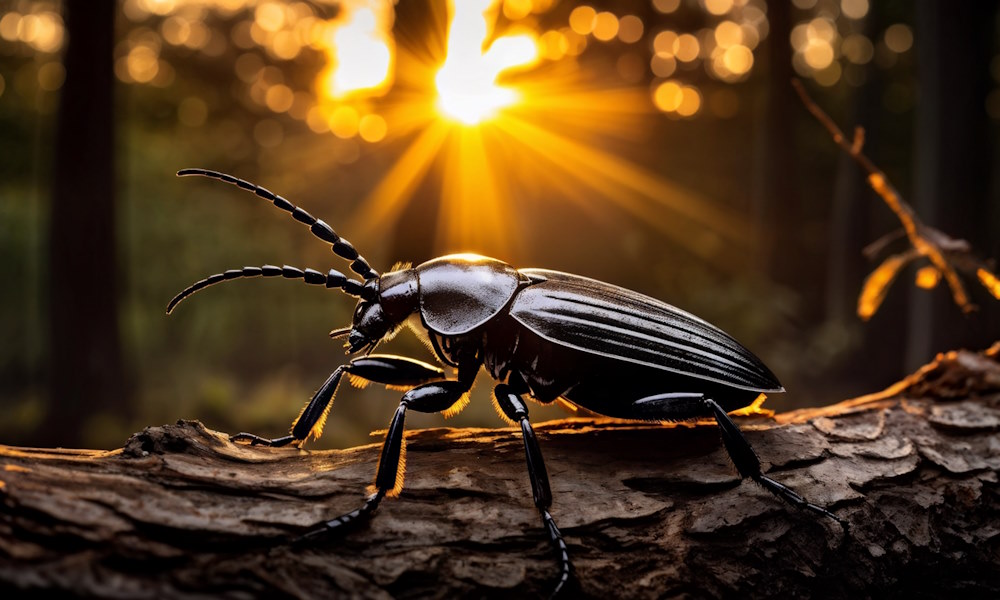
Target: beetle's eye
x,y
360,311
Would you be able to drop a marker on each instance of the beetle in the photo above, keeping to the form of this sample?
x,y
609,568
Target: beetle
x,y
539,333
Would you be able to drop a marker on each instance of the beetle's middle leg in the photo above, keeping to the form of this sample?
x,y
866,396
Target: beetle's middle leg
x,y
516,410
379,368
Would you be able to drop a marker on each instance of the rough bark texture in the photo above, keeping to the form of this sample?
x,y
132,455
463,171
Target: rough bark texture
x,y
647,510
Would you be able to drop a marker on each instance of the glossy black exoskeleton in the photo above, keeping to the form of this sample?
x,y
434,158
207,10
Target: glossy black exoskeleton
x,y
539,333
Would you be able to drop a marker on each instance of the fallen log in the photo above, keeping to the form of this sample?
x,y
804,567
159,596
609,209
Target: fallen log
x,y
647,510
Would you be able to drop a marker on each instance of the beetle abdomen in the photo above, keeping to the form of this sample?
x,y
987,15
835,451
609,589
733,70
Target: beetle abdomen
x,y
606,320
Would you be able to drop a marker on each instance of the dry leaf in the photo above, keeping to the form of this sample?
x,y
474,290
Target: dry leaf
x,y
989,281
877,284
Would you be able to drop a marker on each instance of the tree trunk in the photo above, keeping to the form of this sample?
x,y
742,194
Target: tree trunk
x,y
85,358
647,510
951,163
776,203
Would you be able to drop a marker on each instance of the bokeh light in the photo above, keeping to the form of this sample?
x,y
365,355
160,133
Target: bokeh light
x,y
547,90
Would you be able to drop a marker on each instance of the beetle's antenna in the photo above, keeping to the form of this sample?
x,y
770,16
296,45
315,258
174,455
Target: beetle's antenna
x,y
341,247
333,279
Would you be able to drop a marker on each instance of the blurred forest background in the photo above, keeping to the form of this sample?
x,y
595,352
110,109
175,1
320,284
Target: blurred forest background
x,y
656,145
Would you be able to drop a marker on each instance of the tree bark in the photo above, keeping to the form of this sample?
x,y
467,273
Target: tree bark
x,y
647,510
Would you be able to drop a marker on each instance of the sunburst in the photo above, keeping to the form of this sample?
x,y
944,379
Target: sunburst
x,y
497,125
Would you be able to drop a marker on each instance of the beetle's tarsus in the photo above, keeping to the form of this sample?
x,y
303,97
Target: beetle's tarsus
x,y
566,573
788,495
344,523
256,440
748,465
514,409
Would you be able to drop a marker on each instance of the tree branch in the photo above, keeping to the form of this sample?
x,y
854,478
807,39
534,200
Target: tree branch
x,y
944,252
647,510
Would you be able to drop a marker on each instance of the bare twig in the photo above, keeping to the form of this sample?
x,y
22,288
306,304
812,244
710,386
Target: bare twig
x,y
944,252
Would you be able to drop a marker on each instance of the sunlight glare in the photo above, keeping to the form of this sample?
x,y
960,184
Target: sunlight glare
x,y
466,83
362,34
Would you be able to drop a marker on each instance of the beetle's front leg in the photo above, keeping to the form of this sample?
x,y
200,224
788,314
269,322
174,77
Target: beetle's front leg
x,y
517,411
379,368
428,398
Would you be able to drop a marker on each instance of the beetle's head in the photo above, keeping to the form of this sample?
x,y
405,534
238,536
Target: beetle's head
x,y
368,327
386,302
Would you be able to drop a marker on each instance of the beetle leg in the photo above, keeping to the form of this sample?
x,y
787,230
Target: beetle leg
x,y
385,369
428,398
748,465
517,411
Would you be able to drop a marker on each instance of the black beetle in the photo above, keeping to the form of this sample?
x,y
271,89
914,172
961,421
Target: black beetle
x,y
541,333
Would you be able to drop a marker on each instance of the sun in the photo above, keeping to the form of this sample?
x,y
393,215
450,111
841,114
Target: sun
x,y
466,84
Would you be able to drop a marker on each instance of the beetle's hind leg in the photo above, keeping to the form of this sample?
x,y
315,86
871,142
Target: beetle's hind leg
x,y
748,464
385,369
689,404
517,411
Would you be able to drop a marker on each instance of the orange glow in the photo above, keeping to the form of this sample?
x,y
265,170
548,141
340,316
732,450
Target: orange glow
x,y
583,19
372,128
877,285
928,277
818,54
718,7
664,42
989,281
359,49
630,29
666,6
756,408
854,9
737,59
605,26
899,38
668,96
672,97
686,47
466,83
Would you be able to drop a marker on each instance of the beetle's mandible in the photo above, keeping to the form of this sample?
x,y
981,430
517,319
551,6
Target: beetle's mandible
x,y
539,333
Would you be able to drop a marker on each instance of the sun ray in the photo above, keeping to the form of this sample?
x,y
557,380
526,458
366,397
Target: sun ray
x,y
385,203
610,175
559,138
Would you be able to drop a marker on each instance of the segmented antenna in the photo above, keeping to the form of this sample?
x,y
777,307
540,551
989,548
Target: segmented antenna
x,y
341,247
333,279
